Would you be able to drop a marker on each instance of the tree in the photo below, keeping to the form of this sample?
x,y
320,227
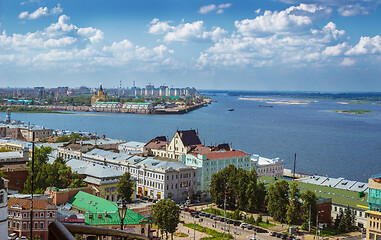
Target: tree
x,y
125,187
277,198
166,216
309,201
294,207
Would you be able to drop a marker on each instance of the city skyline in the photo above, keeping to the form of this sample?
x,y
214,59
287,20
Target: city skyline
x,y
284,45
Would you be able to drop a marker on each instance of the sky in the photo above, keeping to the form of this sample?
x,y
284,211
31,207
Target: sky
x,y
284,45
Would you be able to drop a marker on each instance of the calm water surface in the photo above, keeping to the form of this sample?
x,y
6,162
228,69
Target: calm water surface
x,y
326,143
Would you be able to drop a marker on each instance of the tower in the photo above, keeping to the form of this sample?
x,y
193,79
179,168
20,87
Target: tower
x,y
8,116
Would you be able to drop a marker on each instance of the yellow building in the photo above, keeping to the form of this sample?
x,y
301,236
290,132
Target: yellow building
x,y
100,95
374,214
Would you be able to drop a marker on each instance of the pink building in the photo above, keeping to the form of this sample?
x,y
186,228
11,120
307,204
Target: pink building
x,y
19,217
267,167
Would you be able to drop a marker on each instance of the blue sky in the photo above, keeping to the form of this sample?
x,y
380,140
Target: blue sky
x,y
311,45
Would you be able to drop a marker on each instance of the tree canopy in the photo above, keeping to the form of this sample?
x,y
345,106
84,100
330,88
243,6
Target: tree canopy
x,y
166,216
125,187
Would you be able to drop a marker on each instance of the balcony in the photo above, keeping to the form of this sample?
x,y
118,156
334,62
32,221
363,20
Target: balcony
x,y
66,231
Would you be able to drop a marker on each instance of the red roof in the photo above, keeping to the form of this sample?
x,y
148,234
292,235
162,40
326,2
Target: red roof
x,y
228,154
25,203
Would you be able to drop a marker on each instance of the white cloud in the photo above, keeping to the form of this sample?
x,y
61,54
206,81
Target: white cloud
x,y
158,27
347,62
213,8
66,46
258,11
352,10
336,50
41,12
366,45
207,9
185,32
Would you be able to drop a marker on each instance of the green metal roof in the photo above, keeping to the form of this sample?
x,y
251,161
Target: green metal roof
x,y
97,207
339,196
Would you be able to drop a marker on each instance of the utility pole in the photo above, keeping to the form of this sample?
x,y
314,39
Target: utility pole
x,y
317,223
224,212
293,178
31,184
309,220
194,228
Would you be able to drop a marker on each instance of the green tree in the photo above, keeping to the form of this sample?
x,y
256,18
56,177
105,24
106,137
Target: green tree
x,y
294,207
125,187
166,216
277,200
309,201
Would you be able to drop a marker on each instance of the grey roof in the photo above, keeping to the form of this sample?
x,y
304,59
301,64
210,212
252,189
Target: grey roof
x,y
103,141
113,157
93,169
133,144
162,165
339,183
5,155
98,181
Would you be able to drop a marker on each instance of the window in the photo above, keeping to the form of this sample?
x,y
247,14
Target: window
x,y
24,225
42,214
41,225
36,215
35,225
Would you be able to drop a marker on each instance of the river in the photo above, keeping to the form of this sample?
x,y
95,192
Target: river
x,y
326,143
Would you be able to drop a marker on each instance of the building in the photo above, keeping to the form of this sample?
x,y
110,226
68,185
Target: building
x,y
21,131
3,207
156,179
73,150
19,217
182,142
131,147
103,213
341,198
100,95
213,162
136,107
374,213
268,167
58,196
15,166
102,178
340,183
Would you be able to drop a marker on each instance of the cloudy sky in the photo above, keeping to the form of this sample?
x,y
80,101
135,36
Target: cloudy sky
x,y
313,45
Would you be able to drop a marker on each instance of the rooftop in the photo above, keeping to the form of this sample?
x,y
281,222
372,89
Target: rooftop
x,y
25,203
339,196
336,183
228,154
189,137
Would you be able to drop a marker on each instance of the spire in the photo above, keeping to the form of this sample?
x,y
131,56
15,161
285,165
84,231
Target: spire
x,y
100,88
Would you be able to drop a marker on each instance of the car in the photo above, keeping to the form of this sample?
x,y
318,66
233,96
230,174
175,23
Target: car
x,y
283,236
186,209
202,214
237,223
244,225
253,239
182,207
207,215
272,234
198,212
197,216
212,216
216,218
290,237
12,236
191,210
22,238
229,221
278,235
250,227
222,219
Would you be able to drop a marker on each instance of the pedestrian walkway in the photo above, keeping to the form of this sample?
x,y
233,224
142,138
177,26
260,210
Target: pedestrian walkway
x,y
182,229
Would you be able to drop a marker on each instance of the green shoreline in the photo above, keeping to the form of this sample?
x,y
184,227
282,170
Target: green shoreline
x,y
358,112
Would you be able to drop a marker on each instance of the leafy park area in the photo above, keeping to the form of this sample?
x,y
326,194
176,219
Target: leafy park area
x,y
211,232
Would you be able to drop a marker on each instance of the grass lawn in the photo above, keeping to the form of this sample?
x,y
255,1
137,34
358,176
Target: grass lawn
x,y
178,234
266,225
213,233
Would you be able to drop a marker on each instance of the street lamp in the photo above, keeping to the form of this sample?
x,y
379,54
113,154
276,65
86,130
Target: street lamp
x,y
122,210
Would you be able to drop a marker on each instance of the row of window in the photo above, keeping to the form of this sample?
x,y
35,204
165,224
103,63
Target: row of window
x,y
183,184
374,225
26,215
36,225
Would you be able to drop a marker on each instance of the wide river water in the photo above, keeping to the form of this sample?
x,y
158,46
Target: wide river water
x,y
326,143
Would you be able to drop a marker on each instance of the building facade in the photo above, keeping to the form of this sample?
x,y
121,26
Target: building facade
x,y
3,207
213,162
100,95
268,167
19,217
374,213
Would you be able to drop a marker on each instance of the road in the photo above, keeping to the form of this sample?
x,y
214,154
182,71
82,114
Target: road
x,y
235,231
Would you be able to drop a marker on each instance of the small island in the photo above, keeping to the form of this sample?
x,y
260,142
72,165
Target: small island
x,y
361,112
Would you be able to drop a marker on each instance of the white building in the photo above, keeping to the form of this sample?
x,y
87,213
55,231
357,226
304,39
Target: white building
x,y
131,147
155,178
3,208
267,167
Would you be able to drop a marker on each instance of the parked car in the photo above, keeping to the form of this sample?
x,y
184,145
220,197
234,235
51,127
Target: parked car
x,y
222,219
272,234
244,225
12,236
290,237
182,207
278,235
197,216
283,237
229,221
191,210
207,215
212,216
237,223
250,227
